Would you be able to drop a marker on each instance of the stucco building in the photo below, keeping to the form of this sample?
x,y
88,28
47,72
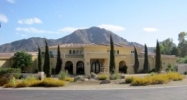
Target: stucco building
x,y
87,58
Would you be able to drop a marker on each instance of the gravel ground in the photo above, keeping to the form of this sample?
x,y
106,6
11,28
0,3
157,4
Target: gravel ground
x,y
115,84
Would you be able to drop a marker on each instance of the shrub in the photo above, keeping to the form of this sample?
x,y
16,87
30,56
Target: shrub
x,y
10,84
22,83
10,72
63,75
50,82
129,80
115,76
69,79
141,81
30,82
156,79
103,76
174,76
170,68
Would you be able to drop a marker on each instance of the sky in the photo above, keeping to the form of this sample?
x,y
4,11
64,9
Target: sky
x,y
142,21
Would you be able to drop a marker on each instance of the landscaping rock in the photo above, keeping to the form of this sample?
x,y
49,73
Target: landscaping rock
x,y
86,79
78,78
105,82
93,75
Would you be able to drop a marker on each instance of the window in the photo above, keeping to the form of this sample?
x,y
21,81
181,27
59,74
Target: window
x,y
53,53
117,51
81,52
77,52
132,51
73,51
69,51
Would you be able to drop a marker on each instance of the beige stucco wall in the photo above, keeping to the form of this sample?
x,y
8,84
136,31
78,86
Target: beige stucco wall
x,y
5,62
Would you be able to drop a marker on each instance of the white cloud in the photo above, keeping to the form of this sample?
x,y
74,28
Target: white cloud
x,y
3,18
68,29
34,30
30,21
112,28
11,1
150,29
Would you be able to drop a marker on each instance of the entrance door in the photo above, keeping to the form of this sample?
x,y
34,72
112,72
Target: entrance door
x,y
95,67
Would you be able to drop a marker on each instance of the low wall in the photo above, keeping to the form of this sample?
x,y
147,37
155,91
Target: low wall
x,y
182,68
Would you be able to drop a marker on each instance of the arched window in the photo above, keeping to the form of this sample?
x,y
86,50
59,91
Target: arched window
x,y
73,51
69,51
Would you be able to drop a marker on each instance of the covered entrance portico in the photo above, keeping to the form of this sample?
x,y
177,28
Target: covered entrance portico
x,y
98,65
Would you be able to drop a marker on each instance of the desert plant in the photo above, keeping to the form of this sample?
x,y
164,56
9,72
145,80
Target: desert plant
x,y
115,76
103,76
129,80
63,74
69,79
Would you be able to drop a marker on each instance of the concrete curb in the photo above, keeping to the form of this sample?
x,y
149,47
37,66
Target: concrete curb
x,y
127,88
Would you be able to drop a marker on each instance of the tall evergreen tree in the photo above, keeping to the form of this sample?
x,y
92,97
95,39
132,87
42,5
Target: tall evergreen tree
x,y
112,57
146,62
136,62
47,68
39,60
59,61
158,62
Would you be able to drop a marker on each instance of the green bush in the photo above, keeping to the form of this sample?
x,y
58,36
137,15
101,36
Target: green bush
x,y
170,68
103,77
129,80
62,75
115,76
10,71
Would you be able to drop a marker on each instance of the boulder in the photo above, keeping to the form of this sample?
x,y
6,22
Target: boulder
x,y
93,75
105,82
78,78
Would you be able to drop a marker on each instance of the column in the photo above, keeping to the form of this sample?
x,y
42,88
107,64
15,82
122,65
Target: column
x,y
87,66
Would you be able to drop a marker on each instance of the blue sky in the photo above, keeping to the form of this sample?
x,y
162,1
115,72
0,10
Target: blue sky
x,y
142,21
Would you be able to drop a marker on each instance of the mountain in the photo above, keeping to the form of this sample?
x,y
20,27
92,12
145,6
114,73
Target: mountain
x,y
90,35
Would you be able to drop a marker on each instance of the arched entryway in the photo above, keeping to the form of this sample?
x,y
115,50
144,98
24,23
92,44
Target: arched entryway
x,y
80,68
95,67
69,67
122,67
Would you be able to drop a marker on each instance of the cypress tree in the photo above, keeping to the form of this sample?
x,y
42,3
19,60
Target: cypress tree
x,y
39,60
112,57
146,62
136,62
47,68
158,61
59,61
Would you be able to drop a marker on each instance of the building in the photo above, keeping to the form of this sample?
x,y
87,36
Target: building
x,y
86,58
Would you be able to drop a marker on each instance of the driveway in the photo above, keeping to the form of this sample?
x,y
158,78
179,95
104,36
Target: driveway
x,y
169,93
